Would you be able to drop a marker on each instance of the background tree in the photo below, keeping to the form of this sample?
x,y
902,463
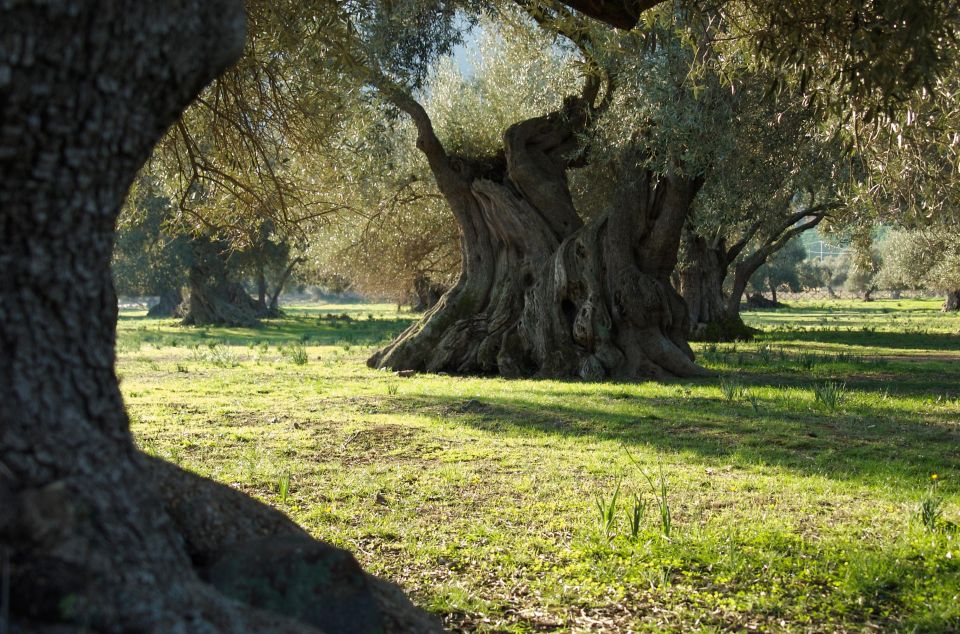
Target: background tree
x,y
781,176
924,258
781,269
864,265
518,216
147,258
254,166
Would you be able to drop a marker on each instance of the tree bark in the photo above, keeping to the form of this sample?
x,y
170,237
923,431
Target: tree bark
x,y
102,538
215,298
261,288
274,306
603,306
427,293
540,293
169,305
952,302
702,275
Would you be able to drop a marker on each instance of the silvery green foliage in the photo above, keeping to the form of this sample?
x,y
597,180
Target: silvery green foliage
x,y
927,258
913,163
404,38
677,118
515,72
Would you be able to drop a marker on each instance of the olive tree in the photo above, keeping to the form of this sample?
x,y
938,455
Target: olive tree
x,y
927,257
96,535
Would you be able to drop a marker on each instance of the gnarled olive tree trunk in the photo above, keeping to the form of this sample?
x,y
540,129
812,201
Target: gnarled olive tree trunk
x,y
703,271
603,306
714,315
100,537
169,305
215,297
540,293
952,301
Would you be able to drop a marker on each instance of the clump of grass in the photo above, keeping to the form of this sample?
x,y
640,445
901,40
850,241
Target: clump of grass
x,y
182,368
807,361
754,401
732,389
392,389
222,356
608,512
931,506
636,516
659,495
663,502
765,355
296,353
283,487
830,394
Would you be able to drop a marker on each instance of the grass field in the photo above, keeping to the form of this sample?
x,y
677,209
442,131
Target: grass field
x,y
793,492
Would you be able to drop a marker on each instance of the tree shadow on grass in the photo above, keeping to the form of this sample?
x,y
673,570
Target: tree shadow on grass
x,y
866,445
934,341
320,330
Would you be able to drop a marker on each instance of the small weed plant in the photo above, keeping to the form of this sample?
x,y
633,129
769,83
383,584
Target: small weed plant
x,y
732,389
830,394
931,506
283,487
295,353
607,509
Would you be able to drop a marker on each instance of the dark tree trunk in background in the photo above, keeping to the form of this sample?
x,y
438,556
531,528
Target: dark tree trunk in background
x,y
701,278
792,226
952,301
273,309
102,538
540,293
261,288
427,293
169,305
216,299
773,292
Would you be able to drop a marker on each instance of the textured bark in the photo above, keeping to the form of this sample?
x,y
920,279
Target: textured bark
x,y
99,535
215,298
273,308
427,293
169,305
539,292
603,307
701,279
952,302
702,275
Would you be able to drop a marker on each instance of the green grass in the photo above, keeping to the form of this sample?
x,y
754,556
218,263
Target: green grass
x,y
480,495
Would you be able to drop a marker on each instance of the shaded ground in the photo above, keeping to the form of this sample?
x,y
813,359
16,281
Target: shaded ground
x,y
480,495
